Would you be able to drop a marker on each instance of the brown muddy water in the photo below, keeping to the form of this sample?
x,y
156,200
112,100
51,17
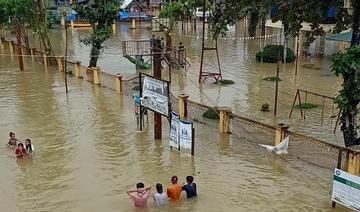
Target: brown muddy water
x,y
88,150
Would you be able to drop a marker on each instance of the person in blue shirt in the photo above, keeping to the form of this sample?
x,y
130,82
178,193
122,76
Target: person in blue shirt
x,y
190,187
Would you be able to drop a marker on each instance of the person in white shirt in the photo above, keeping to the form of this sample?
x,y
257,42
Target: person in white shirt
x,y
30,150
160,198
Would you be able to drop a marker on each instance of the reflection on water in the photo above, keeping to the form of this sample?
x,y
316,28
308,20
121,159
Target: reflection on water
x,y
88,152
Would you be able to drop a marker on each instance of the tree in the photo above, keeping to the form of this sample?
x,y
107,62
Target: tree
x,y
101,14
293,13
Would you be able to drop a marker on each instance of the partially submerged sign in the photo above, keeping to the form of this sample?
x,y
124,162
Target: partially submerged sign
x,y
181,133
346,189
155,95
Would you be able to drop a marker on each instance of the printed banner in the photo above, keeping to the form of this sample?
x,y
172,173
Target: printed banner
x,y
155,95
185,134
346,189
174,130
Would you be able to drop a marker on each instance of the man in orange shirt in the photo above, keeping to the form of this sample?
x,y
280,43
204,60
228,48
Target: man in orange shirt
x,y
174,191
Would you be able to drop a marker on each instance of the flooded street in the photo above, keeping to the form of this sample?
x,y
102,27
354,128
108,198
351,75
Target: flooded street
x,y
237,57
88,150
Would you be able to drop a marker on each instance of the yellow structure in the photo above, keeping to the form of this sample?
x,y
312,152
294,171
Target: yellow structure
x,y
133,23
280,133
118,83
224,119
183,105
61,63
45,59
11,47
77,69
353,164
32,52
96,75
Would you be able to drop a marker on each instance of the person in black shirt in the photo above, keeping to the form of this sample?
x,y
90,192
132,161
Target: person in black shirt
x,y
190,187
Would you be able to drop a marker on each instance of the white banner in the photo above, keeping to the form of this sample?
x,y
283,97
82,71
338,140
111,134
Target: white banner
x,y
346,189
155,95
174,130
185,134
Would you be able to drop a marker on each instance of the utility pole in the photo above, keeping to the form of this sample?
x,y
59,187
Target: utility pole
x,y
157,51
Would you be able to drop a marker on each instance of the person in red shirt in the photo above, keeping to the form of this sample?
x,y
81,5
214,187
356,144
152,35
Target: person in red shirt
x,y
20,151
174,191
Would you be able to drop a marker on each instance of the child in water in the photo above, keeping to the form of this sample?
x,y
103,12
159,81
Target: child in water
x,y
190,187
29,147
140,195
12,140
160,198
20,151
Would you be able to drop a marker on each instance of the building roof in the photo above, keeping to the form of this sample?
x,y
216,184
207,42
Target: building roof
x,y
342,37
125,3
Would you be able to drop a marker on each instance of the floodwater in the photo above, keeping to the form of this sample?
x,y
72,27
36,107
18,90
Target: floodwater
x,y
237,58
88,153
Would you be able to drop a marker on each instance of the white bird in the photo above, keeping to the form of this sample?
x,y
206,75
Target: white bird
x,y
281,148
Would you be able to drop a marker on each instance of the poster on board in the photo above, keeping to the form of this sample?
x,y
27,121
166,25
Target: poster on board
x,y
155,95
346,189
174,130
185,134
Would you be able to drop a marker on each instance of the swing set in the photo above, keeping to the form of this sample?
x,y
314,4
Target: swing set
x,y
323,99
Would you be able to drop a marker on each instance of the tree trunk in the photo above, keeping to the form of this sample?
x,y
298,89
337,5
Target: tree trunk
x,y
94,55
253,21
348,117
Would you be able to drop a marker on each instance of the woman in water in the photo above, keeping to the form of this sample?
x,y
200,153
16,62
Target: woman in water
x,y
29,147
20,151
12,140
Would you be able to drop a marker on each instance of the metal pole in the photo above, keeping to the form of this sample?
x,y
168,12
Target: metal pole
x,y
192,140
156,49
297,57
276,86
141,115
66,50
202,43
18,40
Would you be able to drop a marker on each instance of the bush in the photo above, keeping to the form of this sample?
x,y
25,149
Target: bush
x,y
270,54
272,79
224,82
306,106
211,113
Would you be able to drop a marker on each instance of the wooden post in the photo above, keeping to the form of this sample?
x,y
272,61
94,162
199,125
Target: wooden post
x,y
156,49
133,23
2,42
11,46
224,119
32,52
280,133
118,83
114,28
61,63
183,98
333,204
354,164
45,59
96,75
77,69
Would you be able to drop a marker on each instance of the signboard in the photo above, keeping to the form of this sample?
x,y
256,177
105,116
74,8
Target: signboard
x,y
174,130
155,95
346,189
185,134
180,132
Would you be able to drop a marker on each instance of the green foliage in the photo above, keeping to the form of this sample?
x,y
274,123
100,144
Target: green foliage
x,y
224,82
211,113
101,14
311,66
265,107
347,64
173,10
272,78
306,106
271,54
